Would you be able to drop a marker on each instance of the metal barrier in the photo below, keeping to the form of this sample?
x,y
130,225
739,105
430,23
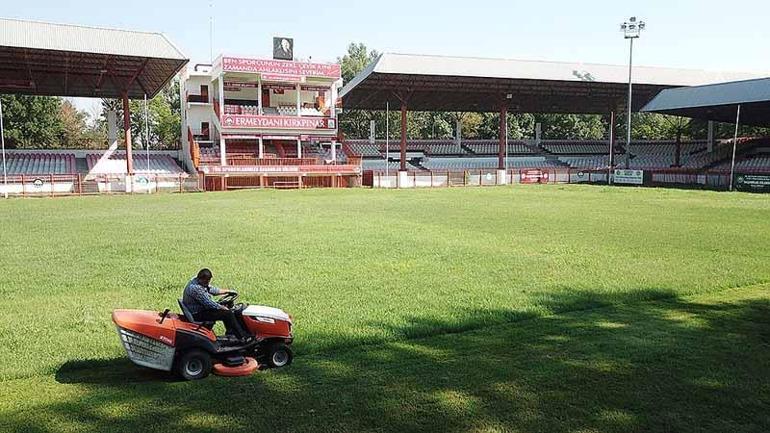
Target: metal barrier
x,y
708,179
55,185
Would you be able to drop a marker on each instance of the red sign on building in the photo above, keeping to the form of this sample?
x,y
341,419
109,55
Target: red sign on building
x,y
281,67
277,122
241,85
282,78
534,176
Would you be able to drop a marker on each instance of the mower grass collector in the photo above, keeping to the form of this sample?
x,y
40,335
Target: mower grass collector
x,y
171,342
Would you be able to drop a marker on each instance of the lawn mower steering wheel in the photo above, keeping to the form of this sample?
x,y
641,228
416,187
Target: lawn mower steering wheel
x,y
228,299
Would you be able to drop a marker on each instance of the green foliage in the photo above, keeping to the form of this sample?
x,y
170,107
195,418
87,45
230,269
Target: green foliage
x,y
32,122
355,60
355,123
571,126
76,132
430,125
164,118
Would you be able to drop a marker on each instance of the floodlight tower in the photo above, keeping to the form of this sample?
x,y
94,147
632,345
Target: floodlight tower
x,y
631,29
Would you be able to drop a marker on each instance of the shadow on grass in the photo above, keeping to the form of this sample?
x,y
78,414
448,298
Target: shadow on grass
x,y
109,372
598,363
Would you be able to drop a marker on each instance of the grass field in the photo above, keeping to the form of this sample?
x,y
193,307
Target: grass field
x,y
554,308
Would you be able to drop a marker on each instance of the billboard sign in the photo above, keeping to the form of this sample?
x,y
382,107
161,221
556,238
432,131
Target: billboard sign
x,y
278,122
283,48
241,85
281,67
534,176
629,177
752,182
280,169
283,78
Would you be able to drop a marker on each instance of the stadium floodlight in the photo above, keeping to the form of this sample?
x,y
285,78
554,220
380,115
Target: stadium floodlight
x,y
631,29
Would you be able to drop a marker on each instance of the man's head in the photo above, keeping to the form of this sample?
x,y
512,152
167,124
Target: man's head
x,y
204,277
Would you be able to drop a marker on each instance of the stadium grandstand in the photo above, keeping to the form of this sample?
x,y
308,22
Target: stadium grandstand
x,y
742,102
578,154
435,83
254,123
48,59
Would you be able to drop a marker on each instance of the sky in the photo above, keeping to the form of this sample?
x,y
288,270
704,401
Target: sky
x,y
697,34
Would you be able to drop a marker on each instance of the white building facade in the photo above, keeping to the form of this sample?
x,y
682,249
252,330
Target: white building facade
x,y
256,122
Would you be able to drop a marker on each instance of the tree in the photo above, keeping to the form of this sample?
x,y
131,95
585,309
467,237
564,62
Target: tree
x,y
163,118
355,123
76,133
356,59
32,121
571,126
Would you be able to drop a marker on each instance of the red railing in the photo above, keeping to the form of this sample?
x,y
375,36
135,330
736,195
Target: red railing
x,y
250,159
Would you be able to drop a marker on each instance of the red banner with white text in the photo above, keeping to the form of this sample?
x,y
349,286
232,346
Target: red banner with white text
x,y
281,67
277,122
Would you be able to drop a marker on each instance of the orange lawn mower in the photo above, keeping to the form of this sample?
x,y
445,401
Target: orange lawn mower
x,y
176,342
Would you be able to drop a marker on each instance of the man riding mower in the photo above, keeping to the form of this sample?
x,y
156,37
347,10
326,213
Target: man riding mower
x,y
256,336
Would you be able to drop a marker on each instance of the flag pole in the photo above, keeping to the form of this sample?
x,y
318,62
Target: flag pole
x,y
146,136
2,141
735,145
387,141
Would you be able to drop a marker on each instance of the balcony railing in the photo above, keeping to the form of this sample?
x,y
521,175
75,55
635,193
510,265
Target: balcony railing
x,y
201,99
250,159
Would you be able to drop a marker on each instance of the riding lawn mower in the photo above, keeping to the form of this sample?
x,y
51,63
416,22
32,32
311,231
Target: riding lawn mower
x,y
177,342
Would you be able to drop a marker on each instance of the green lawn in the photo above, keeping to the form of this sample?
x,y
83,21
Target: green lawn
x,y
554,308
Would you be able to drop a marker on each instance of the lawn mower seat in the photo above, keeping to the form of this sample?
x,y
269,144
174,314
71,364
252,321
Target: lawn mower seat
x,y
189,317
186,312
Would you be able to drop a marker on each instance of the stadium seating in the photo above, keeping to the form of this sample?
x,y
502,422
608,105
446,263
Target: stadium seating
x,y
364,148
584,147
582,154
486,162
430,147
116,164
379,165
750,163
40,163
491,147
586,162
440,147
756,162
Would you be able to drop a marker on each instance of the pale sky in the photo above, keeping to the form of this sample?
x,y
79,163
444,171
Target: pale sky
x,y
699,34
